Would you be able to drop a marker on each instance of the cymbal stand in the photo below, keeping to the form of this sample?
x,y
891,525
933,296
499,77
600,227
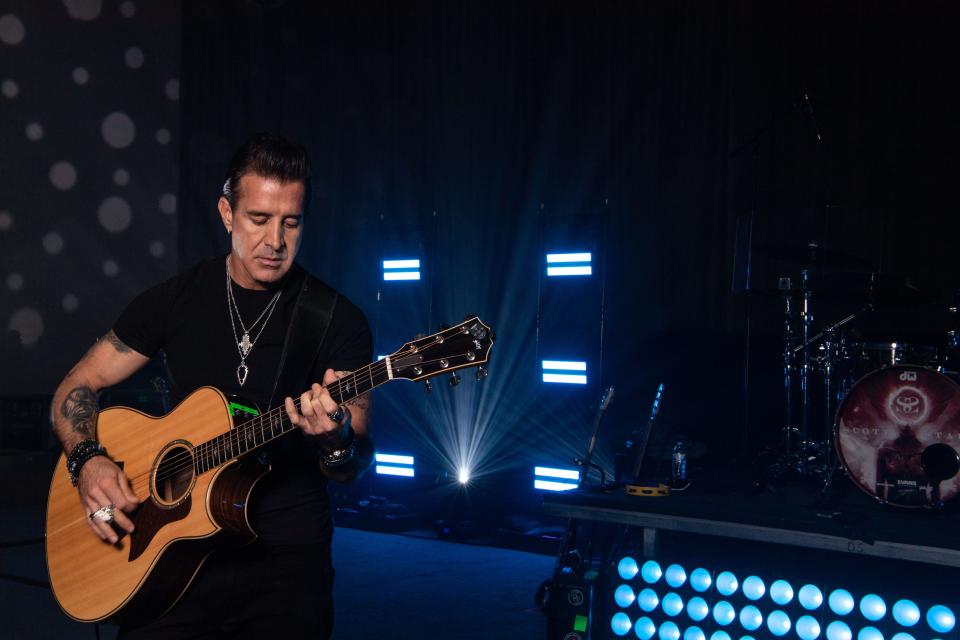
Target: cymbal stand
x,y
786,285
807,316
829,352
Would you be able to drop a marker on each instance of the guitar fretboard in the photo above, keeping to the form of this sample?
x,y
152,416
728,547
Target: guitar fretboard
x,y
269,426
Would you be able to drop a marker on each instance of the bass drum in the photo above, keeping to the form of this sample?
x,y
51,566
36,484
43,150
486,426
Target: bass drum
x,y
891,423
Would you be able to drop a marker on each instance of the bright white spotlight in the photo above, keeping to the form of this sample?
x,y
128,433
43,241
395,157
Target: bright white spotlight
x,y
463,476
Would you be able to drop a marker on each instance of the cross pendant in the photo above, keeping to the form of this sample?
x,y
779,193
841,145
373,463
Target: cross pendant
x,y
245,345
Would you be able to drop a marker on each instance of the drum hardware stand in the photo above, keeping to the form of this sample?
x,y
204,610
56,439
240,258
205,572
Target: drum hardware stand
x,y
807,319
785,284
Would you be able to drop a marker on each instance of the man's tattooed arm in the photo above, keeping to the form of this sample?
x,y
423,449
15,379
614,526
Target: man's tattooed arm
x,y
79,409
117,343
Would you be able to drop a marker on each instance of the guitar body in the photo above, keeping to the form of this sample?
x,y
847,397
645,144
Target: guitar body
x,y
181,519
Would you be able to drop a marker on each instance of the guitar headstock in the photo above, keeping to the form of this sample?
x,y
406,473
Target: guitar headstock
x,y
467,344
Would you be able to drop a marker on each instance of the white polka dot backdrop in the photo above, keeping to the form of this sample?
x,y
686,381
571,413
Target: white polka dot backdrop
x,y
84,9
172,89
128,9
114,214
9,88
81,75
34,131
6,220
110,268
53,243
121,177
63,175
28,323
168,203
133,57
157,249
118,130
70,302
14,281
12,31
163,136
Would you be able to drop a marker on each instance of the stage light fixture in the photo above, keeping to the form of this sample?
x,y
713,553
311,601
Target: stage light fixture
x,y
569,264
697,609
672,604
675,576
840,601
906,613
620,623
463,475
724,613
753,588
838,630
624,596
627,568
648,600
694,633
902,636
720,635
811,598
390,464
781,592
873,607
727,583
669,631
778,623
808,628
869,633
398,270
556,371
751,618
564,479
651,572
941,619
700,580
644,628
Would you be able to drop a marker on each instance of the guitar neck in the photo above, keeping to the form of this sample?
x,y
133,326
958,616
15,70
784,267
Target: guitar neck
x,y
269,426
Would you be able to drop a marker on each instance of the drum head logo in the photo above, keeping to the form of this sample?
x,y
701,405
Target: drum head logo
x,y
575,597
907,405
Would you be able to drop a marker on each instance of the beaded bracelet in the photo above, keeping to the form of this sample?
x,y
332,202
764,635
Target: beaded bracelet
x,y
81,453
342,455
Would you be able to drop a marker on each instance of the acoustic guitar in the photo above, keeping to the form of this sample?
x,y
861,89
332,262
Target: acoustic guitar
x,y
189,469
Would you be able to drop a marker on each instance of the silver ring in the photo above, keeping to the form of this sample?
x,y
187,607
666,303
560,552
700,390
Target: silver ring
x,y
336,416
104,514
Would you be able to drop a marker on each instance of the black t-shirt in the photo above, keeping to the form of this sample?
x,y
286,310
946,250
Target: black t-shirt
x,y
188,318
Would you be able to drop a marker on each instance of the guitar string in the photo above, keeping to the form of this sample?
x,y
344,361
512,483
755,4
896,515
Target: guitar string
x,y
241,435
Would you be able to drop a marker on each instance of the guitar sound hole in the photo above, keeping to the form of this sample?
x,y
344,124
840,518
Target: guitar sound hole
x,y
174,477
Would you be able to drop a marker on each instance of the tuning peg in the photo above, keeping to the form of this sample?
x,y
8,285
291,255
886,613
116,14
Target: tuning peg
x,y
454,379
427,386
481,373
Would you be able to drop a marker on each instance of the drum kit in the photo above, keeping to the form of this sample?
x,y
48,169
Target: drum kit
x,y
887,412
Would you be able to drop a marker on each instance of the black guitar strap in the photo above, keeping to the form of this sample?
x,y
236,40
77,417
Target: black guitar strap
x,y
312,313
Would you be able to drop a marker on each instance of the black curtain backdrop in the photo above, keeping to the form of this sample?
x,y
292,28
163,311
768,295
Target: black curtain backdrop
x,y
477,120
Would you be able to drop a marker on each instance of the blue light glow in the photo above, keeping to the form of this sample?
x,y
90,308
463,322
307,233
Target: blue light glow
x,y
940,618
624,596
810,597
723,613
551,367
651,572
869,633
751,618
553,485
841,602
672,604
700,580
573,264
401,270
564,365
550,472
392,458
627,568
837,630
648,600
675,575
644,629
779,623
727,583
754,588
873,607
564,378
902,636
781,592
720,635
906,613
620,623
808,628
669,631
694,633
697,609
389,470
747,638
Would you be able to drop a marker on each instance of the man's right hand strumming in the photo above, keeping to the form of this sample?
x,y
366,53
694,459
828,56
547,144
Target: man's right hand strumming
x,y
106,497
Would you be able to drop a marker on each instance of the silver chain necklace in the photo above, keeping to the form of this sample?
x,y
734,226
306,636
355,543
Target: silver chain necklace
x,y
244,344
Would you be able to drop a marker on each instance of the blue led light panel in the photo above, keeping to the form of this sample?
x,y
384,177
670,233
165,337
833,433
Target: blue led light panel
x,y
564,372
551,479
390,464
569,264
408,269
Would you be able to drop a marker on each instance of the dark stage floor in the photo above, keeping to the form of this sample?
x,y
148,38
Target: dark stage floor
x,y
388,585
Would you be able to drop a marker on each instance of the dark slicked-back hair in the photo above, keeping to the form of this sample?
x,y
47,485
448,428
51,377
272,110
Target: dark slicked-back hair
x,y
269,156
